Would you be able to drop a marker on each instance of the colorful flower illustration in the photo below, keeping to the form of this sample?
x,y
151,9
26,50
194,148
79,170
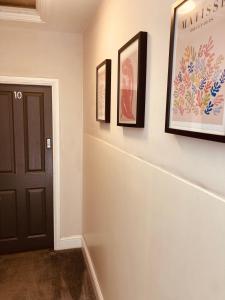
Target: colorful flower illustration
x,y
199,81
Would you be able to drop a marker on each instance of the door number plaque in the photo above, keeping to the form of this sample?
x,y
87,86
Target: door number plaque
x,y
18,95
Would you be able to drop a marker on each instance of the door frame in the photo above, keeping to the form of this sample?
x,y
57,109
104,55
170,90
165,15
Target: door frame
x,y
54,84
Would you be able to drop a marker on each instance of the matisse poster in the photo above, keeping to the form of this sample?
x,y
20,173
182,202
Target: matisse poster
x,y
196,88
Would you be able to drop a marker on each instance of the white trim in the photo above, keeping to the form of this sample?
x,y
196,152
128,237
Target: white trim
x,y
91,268
156,167
20,14
54,83
71,242
41,7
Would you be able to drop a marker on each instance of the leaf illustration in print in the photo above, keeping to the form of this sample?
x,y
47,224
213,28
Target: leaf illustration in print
x,y
219,99
209,108
215,89
198,88
127,92
202,84
222,78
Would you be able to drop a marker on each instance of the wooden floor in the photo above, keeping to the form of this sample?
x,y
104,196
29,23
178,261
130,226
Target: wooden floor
x,y
45,275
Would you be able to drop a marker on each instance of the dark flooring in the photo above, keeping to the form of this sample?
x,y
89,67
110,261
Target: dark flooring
x,y
45,275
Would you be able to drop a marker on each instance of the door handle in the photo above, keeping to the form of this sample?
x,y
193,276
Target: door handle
x,y
48,143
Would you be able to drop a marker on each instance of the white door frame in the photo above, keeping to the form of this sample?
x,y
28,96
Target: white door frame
x,y
54,83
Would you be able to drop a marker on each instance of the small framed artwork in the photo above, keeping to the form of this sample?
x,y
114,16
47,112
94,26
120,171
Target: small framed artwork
x,y
103,91
196,80
132,82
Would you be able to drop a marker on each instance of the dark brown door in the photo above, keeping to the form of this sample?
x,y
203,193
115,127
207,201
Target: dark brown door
x,y
26,196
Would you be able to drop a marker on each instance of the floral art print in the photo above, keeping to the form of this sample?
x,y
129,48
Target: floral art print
x,y
197,86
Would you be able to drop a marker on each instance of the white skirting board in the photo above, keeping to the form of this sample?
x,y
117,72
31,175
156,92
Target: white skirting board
x,y
71,242
78,241
92,272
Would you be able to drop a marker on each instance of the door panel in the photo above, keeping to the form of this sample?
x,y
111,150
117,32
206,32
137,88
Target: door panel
x,y
8,215
26,197
7,150
34,132
36,210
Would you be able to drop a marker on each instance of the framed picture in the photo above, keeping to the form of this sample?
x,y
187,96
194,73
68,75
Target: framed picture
x,y
196,81
103,91
132,82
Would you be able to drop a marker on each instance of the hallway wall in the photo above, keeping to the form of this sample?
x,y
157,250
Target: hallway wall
x,y
32,53
154,203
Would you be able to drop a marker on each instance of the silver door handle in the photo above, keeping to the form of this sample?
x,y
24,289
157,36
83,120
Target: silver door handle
x,y
48,143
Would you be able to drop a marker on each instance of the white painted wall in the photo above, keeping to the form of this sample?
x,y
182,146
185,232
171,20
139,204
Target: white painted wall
x,y
116,22
154,210
151,235
32,53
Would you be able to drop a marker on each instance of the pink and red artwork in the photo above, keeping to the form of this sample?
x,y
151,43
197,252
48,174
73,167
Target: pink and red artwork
x,y
127,92
128,85
132,82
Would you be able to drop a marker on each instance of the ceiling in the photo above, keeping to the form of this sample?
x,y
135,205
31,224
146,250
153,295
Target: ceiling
x,y
59,15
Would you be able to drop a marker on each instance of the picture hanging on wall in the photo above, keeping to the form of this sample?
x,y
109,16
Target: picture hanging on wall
x,y
132,82
196,81
103,91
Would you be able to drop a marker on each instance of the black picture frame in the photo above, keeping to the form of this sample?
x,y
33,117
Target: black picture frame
x,y
168,128
107,99
141,37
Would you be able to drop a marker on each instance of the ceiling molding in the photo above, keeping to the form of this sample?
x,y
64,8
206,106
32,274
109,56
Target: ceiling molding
x,y
19,3
9,13
41,9
70,16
